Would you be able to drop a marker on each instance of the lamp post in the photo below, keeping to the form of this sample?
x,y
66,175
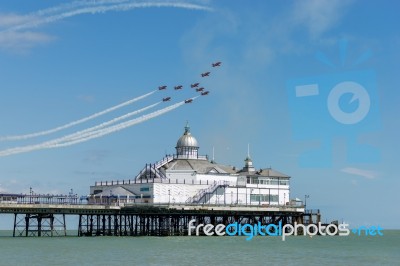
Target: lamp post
x,y
71,195
246,195
30,195
169,196
251,193
305,201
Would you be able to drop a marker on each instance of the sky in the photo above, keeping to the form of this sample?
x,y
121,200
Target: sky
x,y
311,86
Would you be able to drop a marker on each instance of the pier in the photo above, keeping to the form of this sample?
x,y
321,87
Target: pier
x,y
143,219
163,198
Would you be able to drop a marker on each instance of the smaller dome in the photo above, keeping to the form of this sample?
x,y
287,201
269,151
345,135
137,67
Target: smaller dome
x,y
187,140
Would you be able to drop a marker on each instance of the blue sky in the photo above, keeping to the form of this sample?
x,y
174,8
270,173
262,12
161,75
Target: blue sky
x,y
56,68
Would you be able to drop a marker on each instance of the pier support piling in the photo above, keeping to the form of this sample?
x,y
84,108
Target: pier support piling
x,y
40,224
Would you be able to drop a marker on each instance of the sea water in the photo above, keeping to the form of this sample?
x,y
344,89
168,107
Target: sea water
x,y
201,250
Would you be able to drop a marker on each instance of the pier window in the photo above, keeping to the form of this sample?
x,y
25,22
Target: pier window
x,y
263,181
284,182
263,198
142,197
144,189
269,181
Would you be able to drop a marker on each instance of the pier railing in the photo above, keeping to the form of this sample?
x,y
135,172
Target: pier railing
x,y
115,204
154,168
154,180
34,198
164,160
311,211
209,190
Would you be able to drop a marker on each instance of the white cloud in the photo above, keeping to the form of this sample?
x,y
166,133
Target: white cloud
x,y
259,53
15,29
37,21
11,185
368,174
86,98
22,41
19,42
354,182
319,15
9,20
96,156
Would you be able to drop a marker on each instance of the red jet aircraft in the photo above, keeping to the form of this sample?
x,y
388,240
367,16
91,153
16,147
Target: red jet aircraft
x,y
216,64
179,87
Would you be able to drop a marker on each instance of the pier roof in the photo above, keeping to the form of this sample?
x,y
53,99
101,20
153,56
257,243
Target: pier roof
x,y
200,166
267,172
271,172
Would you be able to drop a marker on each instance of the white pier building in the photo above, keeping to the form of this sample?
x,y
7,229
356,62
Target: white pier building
x,y
191,179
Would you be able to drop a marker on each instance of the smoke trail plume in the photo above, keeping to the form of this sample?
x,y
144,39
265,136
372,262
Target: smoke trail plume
x,y
76,135
72,139
78,8
77,122
120,126
91,130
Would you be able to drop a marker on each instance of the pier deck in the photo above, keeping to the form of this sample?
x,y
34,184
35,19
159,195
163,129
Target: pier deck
x,y
142,219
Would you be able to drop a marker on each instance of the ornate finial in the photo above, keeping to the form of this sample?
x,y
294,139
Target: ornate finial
x,y
213,156
248,159
187,127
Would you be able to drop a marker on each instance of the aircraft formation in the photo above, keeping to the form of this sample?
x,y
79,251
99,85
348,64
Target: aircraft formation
x,y
104,128
193,86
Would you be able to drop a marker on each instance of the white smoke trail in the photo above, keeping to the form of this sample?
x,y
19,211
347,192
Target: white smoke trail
x,y
120,126
76,4
36,21
10,20
60,8
91,130
71,139
79,134
82,133
74,123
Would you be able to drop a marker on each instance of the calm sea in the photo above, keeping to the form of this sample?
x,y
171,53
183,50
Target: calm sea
x,y
296,250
